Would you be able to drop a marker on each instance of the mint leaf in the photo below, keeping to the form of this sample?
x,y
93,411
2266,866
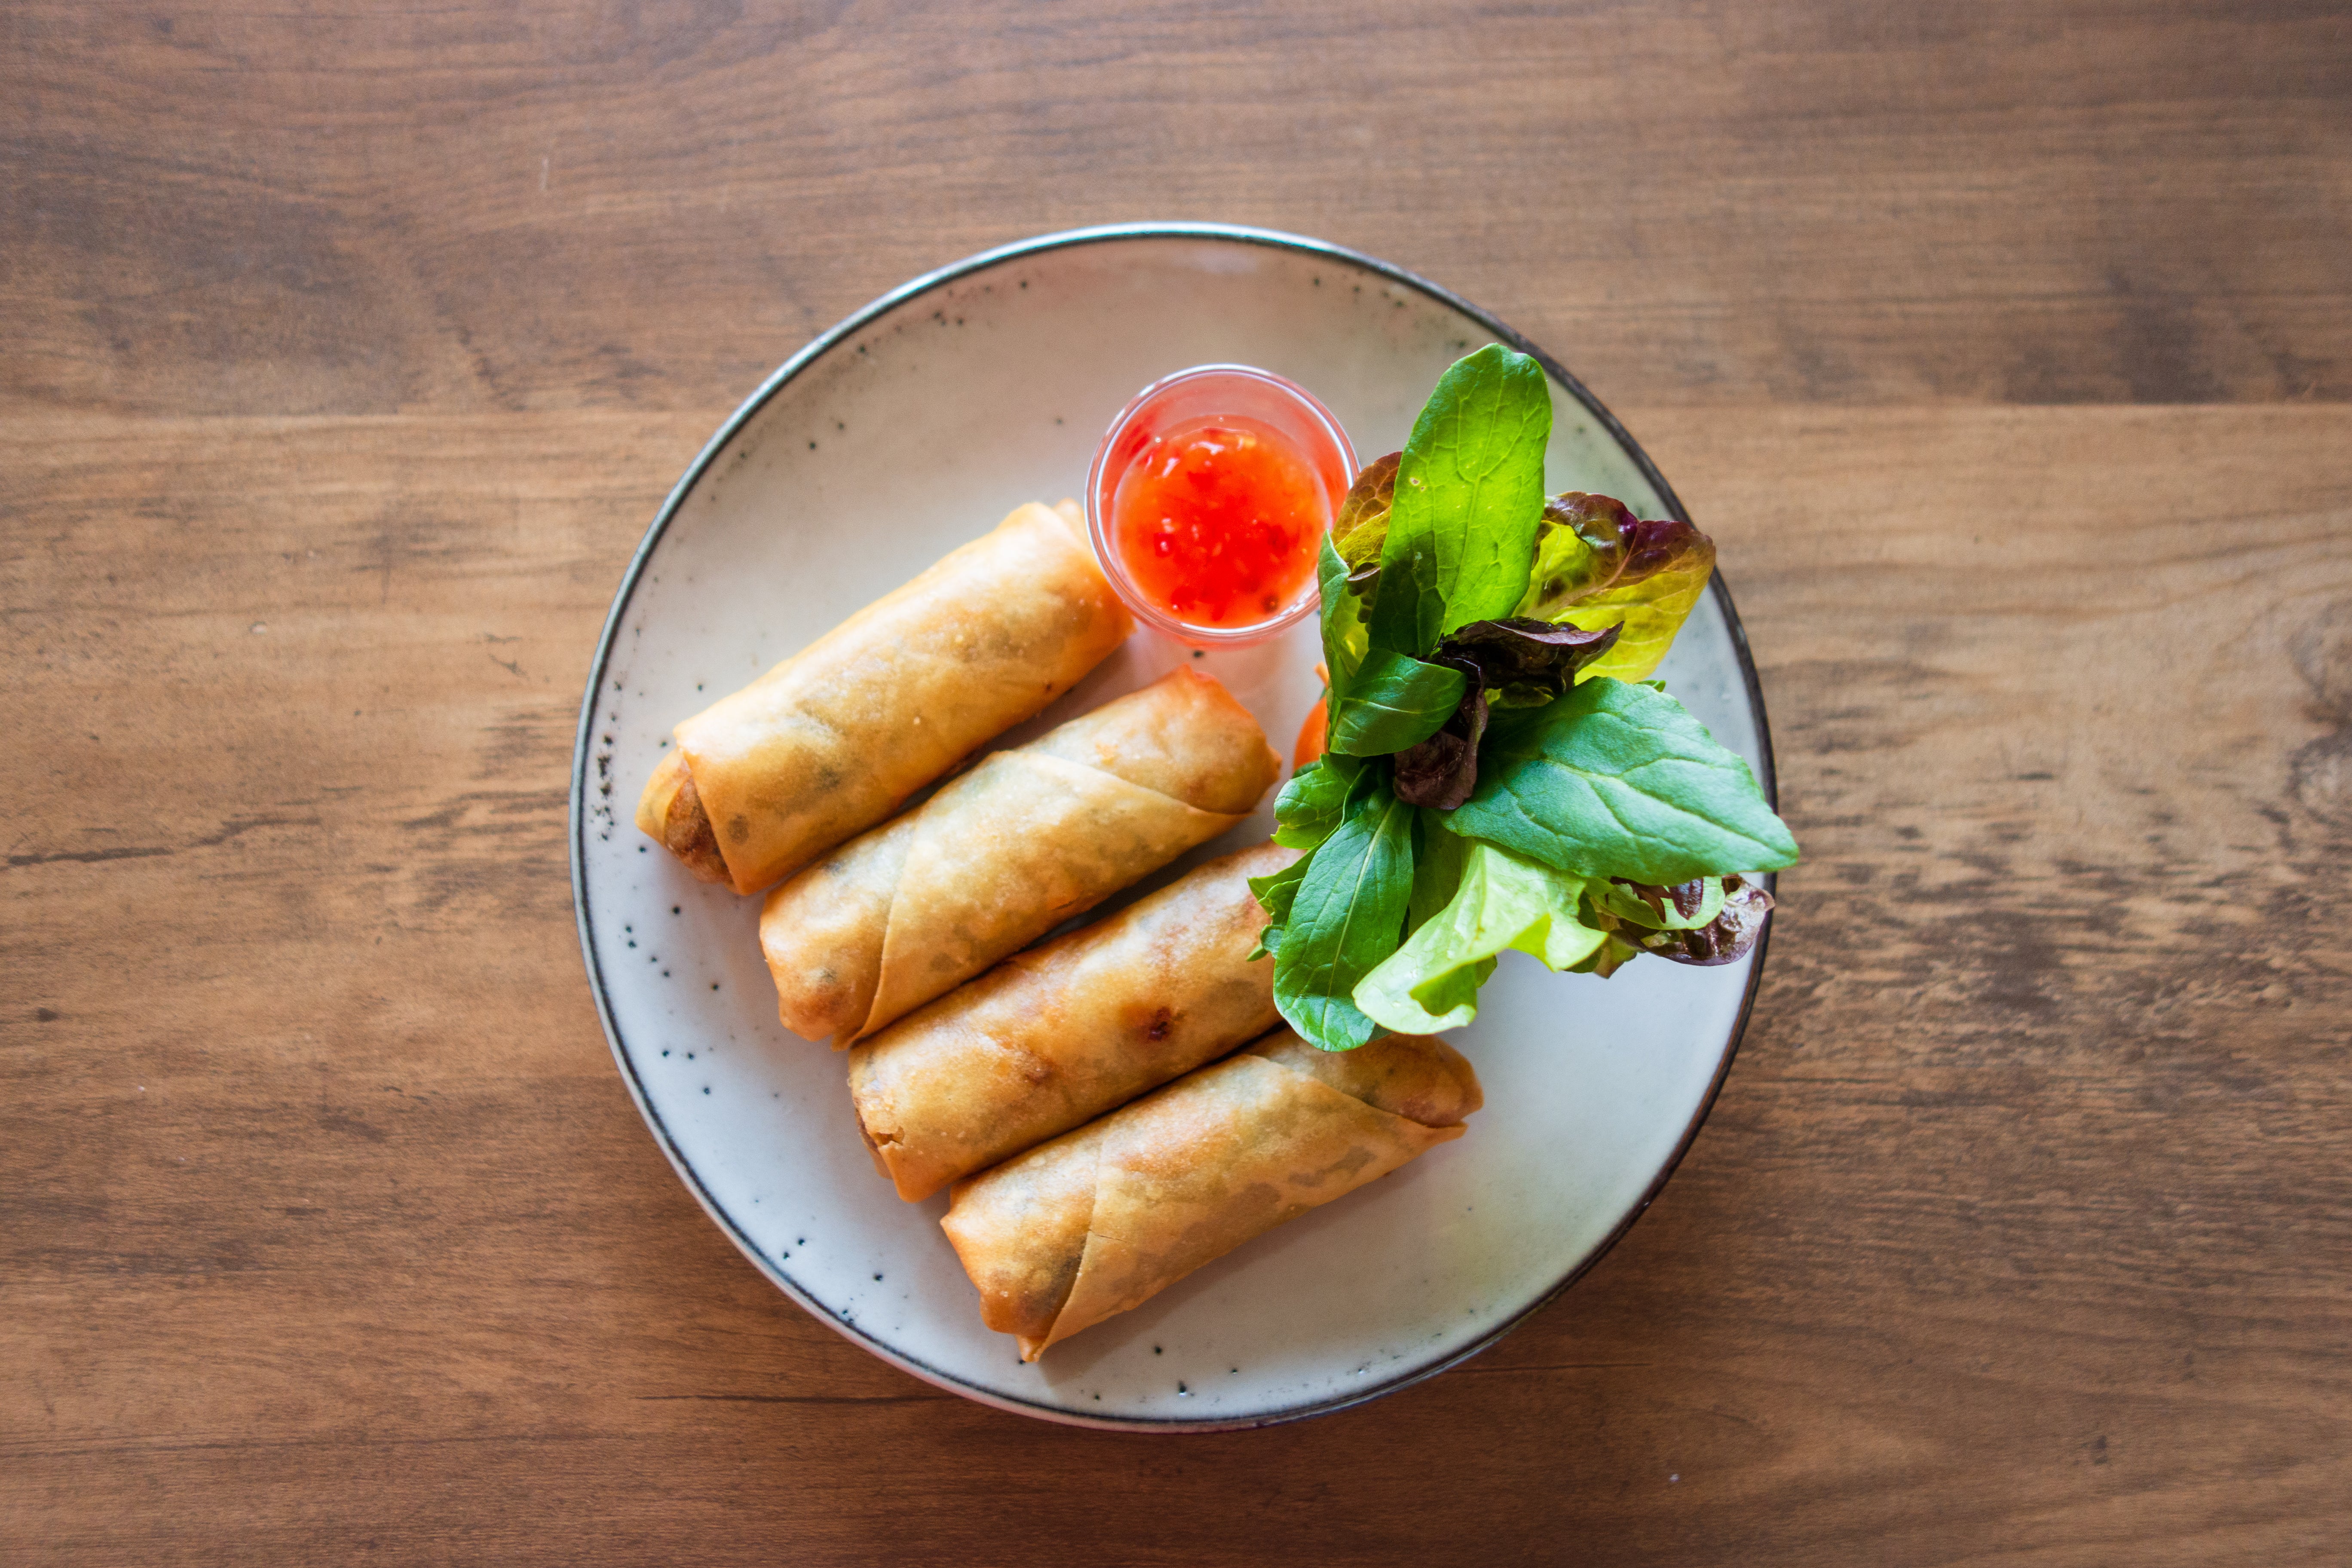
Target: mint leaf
x,y
1597,565
1617,780
1394,701
1467,504
1344,918
1504,901
1313,803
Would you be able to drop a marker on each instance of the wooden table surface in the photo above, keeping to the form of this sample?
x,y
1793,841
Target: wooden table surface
x,y
2005,351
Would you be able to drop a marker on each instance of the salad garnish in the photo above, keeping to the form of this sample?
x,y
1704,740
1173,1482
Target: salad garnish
x,y
1501,770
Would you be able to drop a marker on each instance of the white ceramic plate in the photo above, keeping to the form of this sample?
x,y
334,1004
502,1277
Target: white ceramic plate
x,y
911,428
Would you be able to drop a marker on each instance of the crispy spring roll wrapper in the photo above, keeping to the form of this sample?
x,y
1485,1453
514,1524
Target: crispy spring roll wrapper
x,y
1009,851
1063,1032
1104,1218
836,738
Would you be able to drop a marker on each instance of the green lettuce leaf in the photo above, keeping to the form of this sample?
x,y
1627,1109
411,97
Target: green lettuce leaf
x,y
1504,664
1313,803
1501,900
1344,917
1468,500
1274,892
1394,701
1606,960
1597,565
1617,780
1542,795
1343,621
1437,857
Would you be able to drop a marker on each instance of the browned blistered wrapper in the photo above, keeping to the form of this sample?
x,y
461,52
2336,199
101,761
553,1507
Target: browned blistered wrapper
x,y
1004,854
1066,1030
1101,1219
836,738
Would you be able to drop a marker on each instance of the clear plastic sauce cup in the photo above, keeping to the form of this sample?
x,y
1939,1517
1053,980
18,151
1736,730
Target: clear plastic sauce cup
x,y
1209,499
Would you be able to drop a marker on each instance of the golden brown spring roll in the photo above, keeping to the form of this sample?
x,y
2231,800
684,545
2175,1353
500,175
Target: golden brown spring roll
x,y
1004,854
1102,1219
836,738
1063,1032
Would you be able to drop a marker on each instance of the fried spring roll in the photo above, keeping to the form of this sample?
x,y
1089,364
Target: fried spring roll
x,y
1004,854
1063,1032
1101,1219
836,738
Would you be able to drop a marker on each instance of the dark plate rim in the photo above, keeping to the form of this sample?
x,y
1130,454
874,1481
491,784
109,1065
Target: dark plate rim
x,y
857,321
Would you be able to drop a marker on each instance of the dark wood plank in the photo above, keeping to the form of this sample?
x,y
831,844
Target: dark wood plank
x,y
348,351
335,209
2020,1233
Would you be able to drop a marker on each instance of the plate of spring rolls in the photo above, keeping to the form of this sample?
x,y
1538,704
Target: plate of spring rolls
x,y
913,876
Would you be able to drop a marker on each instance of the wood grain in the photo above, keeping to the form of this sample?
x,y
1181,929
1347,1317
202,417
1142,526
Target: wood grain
x,y
2004,350
2020,1233
329,208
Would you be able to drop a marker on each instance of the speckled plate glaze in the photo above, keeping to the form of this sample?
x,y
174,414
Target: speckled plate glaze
x,y
911,428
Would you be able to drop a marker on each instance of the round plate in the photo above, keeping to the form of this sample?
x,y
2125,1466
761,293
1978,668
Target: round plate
x,y
914,426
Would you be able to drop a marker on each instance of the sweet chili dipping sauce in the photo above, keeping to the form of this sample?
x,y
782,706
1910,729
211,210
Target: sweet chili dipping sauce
x,y
1218,522
1209,500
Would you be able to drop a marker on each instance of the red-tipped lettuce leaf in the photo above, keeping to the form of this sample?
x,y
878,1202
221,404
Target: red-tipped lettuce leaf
x,y
1362,525
1727,936
1526,662
1598,565
1441,771
1515,663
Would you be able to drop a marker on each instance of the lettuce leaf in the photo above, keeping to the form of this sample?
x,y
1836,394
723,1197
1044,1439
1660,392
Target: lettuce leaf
x,y
1468,502
1314,802
1617,780
1501,900
1362,525
1507,663
1716,932
1274,893
1394,701
1687,906
1441,769
1437,857
1613,954
1344,916
1538,793
1598,565
1525,663
1342,622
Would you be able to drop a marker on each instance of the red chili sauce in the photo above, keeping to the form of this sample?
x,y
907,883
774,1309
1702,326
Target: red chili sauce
x,y
1218,521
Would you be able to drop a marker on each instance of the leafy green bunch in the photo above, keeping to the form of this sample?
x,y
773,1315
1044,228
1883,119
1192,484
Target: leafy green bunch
x,y
1500,774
